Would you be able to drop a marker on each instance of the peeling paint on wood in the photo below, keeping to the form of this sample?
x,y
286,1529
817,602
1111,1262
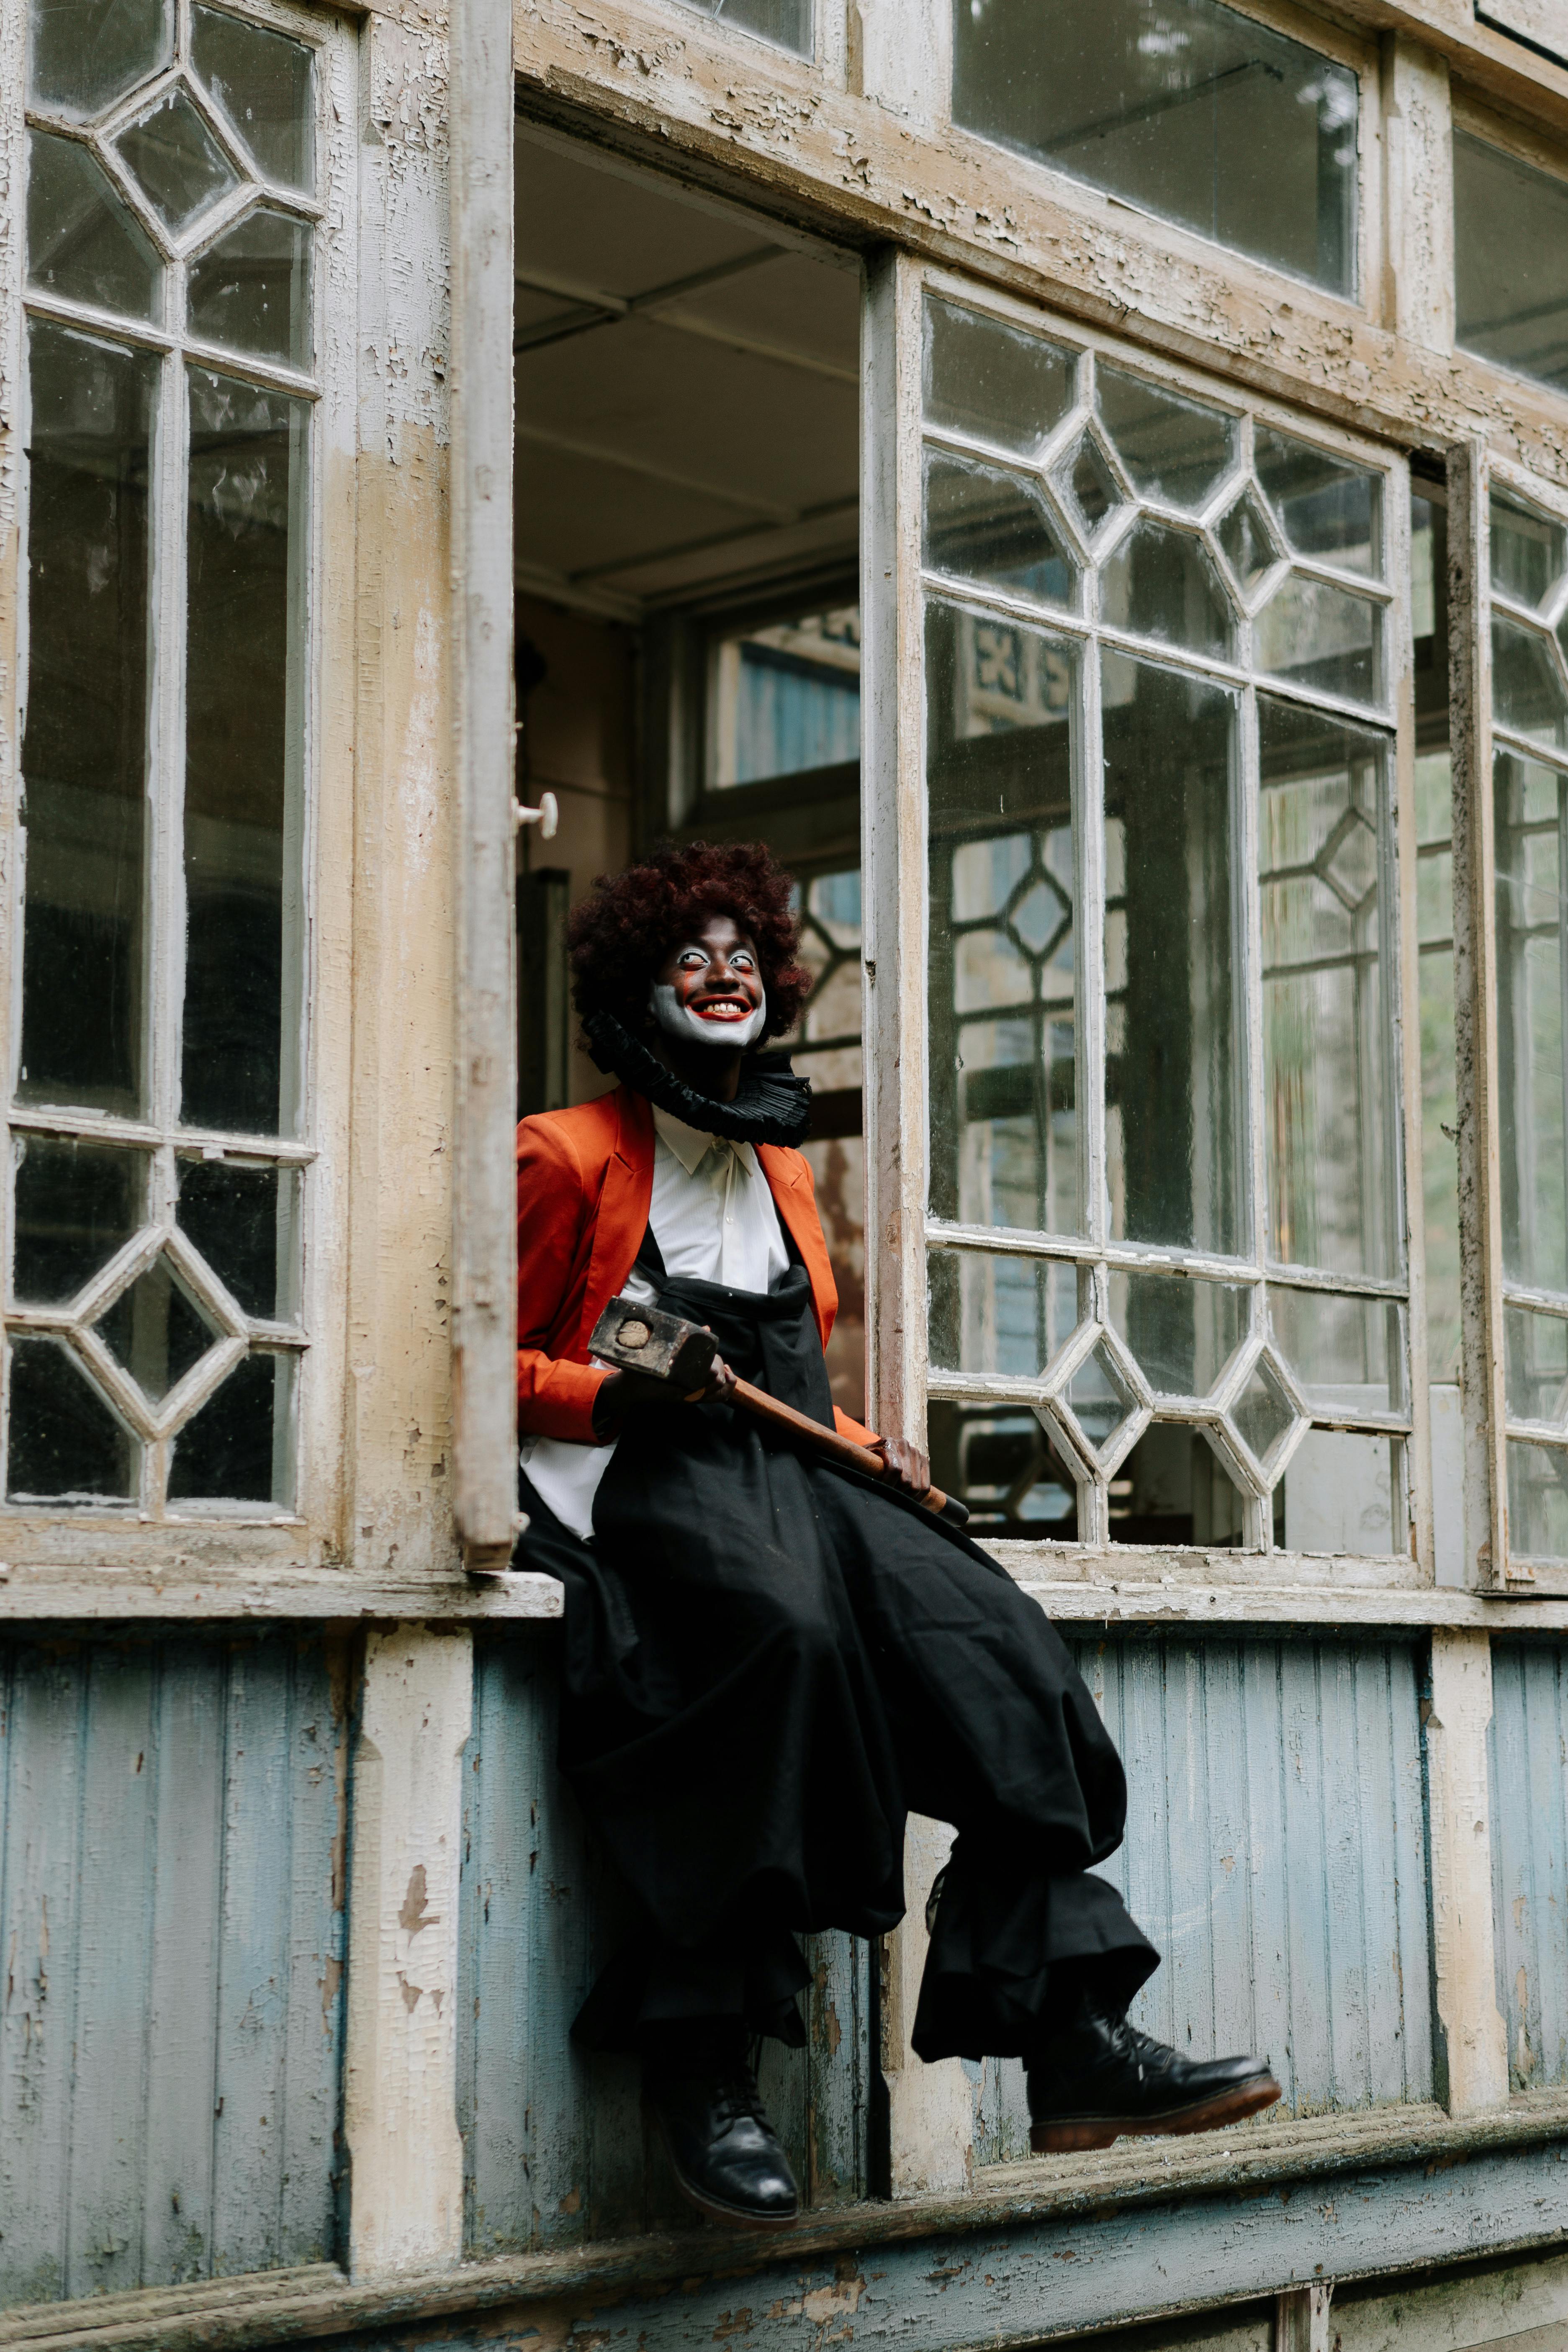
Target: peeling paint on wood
x,y
1528,1754
172,1933
1275,1853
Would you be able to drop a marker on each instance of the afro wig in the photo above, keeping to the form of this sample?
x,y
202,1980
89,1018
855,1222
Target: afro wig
x,y
621,934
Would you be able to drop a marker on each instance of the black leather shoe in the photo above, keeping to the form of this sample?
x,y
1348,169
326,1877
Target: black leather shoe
x,y
1100,2077
726,2156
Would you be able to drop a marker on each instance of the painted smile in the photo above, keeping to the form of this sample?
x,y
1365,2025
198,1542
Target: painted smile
x,y
722,1008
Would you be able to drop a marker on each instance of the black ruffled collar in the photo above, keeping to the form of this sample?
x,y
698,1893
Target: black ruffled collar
x,y
772,1105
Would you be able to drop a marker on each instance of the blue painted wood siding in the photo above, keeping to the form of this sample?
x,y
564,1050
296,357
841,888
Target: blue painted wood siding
x,y
1275,1853
555,2143
1529,1777
171,1924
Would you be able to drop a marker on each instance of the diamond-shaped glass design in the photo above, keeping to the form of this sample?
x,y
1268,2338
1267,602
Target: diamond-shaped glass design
x,y
156,1330
1100,1399
1086,485
1244,535
1348,862
1528,692
1041,915
176,160
265,84
1263,1412
1174,450
65,1445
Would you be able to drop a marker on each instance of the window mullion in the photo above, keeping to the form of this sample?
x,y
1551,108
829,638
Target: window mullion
x,y
1399,948
1257,1510
1475,1021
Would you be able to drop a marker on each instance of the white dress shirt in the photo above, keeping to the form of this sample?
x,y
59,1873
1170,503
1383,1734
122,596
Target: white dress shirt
x,y
713,1218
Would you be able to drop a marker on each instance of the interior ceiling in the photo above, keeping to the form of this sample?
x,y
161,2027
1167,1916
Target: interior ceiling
x,y
686,389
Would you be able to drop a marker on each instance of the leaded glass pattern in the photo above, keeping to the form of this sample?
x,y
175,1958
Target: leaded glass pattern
x,y
1528,585
1165,1244
160,1146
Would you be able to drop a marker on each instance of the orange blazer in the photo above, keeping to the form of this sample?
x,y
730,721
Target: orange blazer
x,y
585,1180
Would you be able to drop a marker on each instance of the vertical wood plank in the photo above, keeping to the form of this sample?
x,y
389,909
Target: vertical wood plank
x,y
253,1958
1302,1857
1411,1882
112,1950
181,2006
316,1915
1340,1830
43,1822
1529,1780
1274,1991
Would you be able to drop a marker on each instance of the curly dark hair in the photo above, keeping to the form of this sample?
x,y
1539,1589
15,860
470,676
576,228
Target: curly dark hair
x,y
620,936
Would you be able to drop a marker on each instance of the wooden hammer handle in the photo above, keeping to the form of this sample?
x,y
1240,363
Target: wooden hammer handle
x,y
827,1441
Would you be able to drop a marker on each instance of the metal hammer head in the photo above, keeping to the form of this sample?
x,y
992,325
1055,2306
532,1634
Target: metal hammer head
x,y
637,1339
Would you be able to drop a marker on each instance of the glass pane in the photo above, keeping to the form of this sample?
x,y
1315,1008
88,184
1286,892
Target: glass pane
x,y
76,1204
991,382
1322,637
84,54
1174,1119
1511,261
1330,511
156,1330
1530,808
986,525
826,1046
1527,690
1337,1348
84,756
251,290
239,1447
786,23
787,698
1535,1365
81,241
999,1317
245,1222
1002,1464
1537,1501
1086,484
176,160
1196,113
1325,1017
1173,1489
1160,583
1003,1131
265,84
1183,1333
1527,550
1337,1495
1249,545
65,1445
244,740
1172,449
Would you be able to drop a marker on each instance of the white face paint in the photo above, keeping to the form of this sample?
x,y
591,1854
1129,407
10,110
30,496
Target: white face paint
x,y
720,1027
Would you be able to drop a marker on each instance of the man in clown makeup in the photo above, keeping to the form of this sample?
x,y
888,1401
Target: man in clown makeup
x,y
769,1659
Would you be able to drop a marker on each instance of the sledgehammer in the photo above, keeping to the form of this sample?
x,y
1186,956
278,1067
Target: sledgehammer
x,y
637,1339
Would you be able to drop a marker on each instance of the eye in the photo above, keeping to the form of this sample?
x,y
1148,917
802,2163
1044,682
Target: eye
x,y
743,962
692,960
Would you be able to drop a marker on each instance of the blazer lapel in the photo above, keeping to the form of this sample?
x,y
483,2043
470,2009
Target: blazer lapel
x,y
789,1183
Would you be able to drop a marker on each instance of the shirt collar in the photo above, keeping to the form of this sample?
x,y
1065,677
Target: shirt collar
x,y
690,1145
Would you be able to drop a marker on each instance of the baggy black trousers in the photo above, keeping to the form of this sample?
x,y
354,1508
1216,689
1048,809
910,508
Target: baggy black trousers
x,y
768,1662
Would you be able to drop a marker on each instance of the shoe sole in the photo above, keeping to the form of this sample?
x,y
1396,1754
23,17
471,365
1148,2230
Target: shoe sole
x,y
1069,2134
736,2216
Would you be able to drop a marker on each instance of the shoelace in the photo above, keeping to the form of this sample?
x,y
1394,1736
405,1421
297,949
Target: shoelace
x,y
738,2094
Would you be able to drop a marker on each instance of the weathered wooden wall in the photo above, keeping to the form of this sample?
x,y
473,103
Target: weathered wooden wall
x,y
1275,1853
555,2143
1528,1759
171,1927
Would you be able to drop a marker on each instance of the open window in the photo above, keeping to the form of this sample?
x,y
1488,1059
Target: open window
x,y
1137,652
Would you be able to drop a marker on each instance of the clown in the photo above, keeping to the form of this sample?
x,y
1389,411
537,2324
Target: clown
x,y
769,1659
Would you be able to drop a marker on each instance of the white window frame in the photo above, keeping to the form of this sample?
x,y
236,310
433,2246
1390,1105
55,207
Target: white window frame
x,y
894,851
131,1532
